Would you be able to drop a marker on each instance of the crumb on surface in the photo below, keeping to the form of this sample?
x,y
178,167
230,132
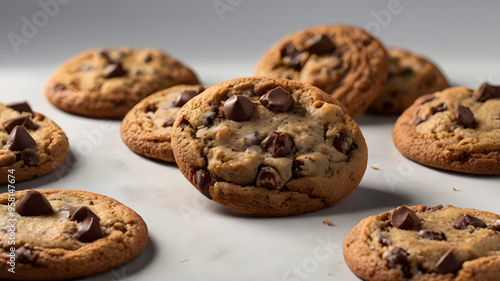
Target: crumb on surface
x,y
374,166
453,188
327,222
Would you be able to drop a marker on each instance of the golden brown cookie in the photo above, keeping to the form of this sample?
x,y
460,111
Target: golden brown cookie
x,y
410,76
147,127
269,146
456,129
426,243
107,83
31,145
66,234
345,62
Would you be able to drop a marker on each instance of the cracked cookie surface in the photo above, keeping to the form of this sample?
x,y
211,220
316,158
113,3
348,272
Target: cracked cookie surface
x,y
345,62
426,243
107,83
456,129
269,146
46,247
410,76
46,148
147,127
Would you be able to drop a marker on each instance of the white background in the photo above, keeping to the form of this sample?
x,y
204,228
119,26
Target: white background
x,y
192,238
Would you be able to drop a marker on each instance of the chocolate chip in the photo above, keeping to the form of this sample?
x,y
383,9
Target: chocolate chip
x,y
340,142
268,177
495,227
448,263
427,234
26,255
277,100
105,55
464,116
169,122
292,57
148,58
151,107
319,44
238,108
184,97
439,108
24,121
384,240
424,118
58,87
79,213
404,218
20,139
278,144
487,91
33,203
20,107
297,168
398,259
406,71
89,230
30,157
113,70
202,180
466,220
433,209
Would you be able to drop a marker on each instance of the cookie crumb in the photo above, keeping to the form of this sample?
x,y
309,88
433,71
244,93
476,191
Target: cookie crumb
x,y
374,166
327,222
454,189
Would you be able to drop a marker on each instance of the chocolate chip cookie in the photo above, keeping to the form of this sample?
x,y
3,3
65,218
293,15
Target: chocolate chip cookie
x,y
456,129
345,62
107,83
426,243
147,128
66,234
269,146
410,76
31,145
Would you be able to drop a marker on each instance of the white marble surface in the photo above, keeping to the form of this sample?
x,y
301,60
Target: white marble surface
x,y
192,238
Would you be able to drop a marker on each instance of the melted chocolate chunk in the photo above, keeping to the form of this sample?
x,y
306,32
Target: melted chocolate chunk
x,y
398,259
433,209
464,221
184,97
20,139
404,218
319,44
340,142
291,56
448,263
105,55
277,100
148,58
33,203
385,241
238,108
202,180
151,107
439,108
89,230
114,70
464,116
79,213
26,255
20,107
297,168
424,118
24,121
495,227
30,157
278,144
426,234
268,177
487,91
